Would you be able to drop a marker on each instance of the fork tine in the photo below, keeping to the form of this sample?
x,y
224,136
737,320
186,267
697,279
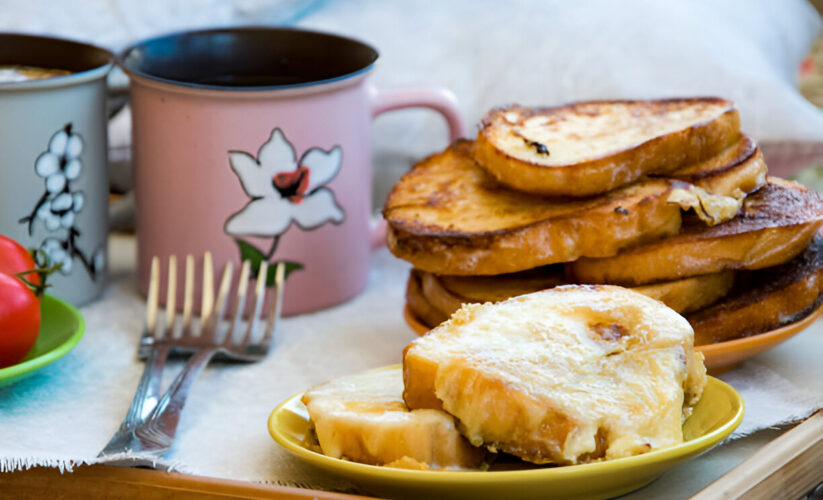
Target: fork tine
x,y
277,304
208,287
171,296
259,295
216,314
153,296
188,294
240,302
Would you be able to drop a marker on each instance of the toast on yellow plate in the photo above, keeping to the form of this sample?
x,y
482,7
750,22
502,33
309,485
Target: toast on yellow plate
x,y
588,148
776,223
567,375
363,418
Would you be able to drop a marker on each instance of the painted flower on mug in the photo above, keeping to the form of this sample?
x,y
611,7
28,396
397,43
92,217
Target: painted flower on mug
x,y
60,163
57,255
60,211
284,190
58,208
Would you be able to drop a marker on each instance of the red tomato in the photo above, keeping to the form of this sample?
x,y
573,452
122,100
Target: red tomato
x,y
19,307
16,259
19,319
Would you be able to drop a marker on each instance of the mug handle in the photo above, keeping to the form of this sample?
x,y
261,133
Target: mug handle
x,y
441,100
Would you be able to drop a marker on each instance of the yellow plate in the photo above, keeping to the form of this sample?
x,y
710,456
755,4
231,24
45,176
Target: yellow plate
x,y
717,414
721,356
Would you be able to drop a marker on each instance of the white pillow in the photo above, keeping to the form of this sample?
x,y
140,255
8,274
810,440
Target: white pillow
x,y
534,52
551,52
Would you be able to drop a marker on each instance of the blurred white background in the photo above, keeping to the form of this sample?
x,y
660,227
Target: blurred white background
x,y
533,52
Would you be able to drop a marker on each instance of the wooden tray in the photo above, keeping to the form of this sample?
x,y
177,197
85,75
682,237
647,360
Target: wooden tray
x,y
106,481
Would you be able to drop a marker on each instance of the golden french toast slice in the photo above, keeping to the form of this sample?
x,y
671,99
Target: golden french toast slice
x,y
588,148
765,299
449,216
776,223
564,376
420,306
690,294
363,418
501,286
740,168
434,298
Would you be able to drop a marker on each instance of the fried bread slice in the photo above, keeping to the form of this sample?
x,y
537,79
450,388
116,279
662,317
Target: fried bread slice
x,y
690,294
448,216
419,305
740,168
363,418
776,223
441,292
502,286
765,299
564,376
588,148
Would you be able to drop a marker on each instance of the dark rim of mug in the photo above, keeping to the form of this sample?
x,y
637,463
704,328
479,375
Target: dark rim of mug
x,y
85,61
201,51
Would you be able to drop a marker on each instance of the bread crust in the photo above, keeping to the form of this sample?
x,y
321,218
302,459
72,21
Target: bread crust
x,y
433,292
421,307
690,294
738,169
503,286
622,165
765,299
776,224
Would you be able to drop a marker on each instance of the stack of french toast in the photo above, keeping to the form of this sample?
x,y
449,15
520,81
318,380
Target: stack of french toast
x,y
666,197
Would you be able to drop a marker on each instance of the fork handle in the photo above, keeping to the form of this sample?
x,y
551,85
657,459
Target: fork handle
x,y
161,425
145,400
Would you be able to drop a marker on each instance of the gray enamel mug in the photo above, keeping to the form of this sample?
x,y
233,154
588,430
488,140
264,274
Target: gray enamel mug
x,y
53,151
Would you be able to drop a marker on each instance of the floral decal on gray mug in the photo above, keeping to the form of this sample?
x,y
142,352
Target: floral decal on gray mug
x,y
283,190
60,165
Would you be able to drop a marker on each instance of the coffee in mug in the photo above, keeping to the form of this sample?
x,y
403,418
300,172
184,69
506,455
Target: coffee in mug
x,y
13,73
53,182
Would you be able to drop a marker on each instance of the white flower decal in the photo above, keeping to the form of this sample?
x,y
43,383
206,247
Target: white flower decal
x,y
59,211
59,165
284,190
60,253
57,254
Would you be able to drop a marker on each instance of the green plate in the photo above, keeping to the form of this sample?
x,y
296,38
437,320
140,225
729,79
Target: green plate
x,y
716,415
61,328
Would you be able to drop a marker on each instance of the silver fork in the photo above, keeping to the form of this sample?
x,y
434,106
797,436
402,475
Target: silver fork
x,y
150,424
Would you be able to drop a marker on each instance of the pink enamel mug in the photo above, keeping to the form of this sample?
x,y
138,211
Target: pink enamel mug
x,y
254,143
